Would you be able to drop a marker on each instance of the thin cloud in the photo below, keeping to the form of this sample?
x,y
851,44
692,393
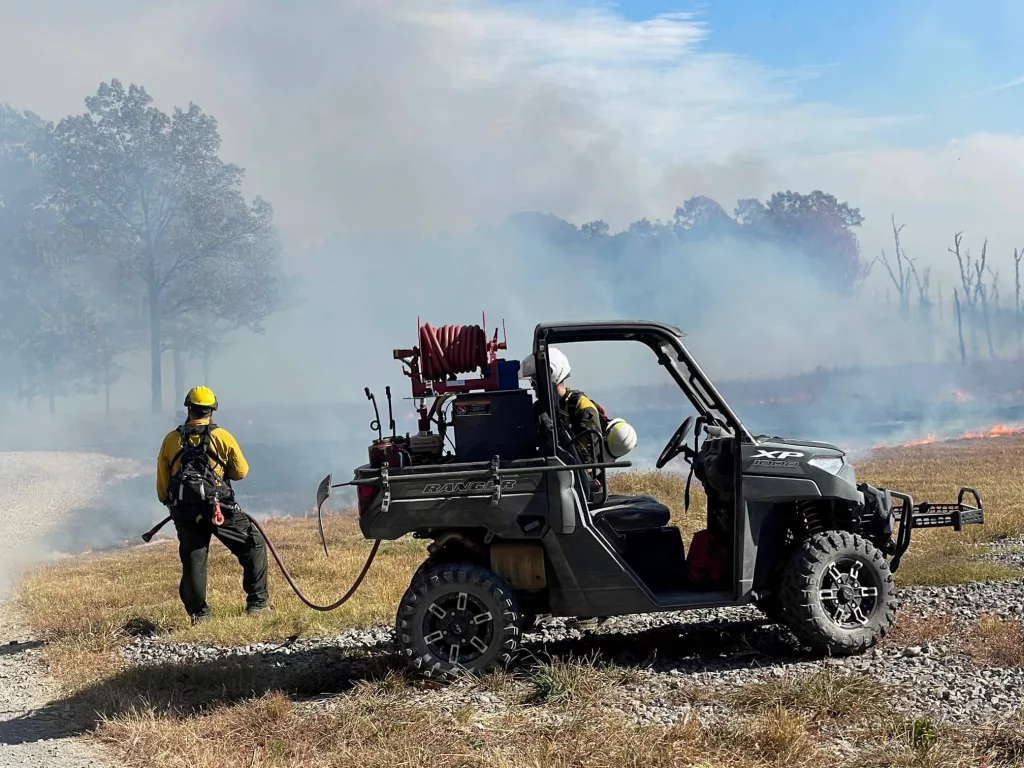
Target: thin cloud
x,y
1001,87
1010,84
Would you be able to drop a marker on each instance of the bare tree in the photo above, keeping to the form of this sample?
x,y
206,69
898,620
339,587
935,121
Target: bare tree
x,y
922,280
959,327
1018,254
981,295
967,284
901,275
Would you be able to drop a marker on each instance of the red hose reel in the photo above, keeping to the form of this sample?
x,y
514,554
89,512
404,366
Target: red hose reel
x,y
446,351
450,350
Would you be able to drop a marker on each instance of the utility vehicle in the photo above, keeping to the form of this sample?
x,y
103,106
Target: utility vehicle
x,y
519,529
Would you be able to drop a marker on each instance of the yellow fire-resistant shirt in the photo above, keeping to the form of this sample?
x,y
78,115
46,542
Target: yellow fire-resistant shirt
x,y
222,444
581,414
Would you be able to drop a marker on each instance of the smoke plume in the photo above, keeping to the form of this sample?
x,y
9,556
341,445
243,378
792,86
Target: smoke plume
x,y
393,140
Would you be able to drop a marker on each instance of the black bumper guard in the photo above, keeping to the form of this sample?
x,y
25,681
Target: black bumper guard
x,y
930,515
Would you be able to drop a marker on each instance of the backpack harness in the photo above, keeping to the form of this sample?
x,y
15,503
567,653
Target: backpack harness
x,y
574,397
196,483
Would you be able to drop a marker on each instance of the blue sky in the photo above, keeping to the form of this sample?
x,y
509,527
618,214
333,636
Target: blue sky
x,y
922,57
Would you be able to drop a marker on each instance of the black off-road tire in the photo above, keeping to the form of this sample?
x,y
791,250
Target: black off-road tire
x,y
819,610
528,622
460,606
425,566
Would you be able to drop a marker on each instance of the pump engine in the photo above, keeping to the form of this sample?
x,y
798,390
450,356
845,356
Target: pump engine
x,y
491,415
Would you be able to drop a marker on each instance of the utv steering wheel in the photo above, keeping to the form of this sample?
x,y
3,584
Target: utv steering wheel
x,y
675,444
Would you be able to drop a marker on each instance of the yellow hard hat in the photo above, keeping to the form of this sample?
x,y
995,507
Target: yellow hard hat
x,y
201,397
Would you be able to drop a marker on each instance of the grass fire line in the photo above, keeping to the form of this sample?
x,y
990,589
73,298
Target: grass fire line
x,y
559,711
999,430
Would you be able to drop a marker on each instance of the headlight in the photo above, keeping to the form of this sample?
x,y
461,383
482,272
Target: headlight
x,y
832,466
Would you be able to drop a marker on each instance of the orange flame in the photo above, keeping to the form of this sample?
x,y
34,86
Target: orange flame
x,y
999,430
926,440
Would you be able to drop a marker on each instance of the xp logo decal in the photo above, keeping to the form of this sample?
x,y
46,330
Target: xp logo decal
x,y
776,458
763,454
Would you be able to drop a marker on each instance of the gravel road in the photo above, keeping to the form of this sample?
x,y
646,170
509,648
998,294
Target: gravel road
x,y
38,491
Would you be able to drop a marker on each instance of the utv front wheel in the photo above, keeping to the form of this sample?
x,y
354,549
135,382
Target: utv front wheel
x,y
455,618
837,593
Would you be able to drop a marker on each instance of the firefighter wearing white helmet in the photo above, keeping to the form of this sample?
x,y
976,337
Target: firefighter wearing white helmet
x,y
557,362
580,414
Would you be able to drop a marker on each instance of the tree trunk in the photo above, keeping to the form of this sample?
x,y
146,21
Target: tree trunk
x,y
988,327
1016,297
179,376
959,328
156,387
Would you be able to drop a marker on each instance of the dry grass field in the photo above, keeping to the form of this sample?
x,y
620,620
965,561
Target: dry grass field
x,y
221,714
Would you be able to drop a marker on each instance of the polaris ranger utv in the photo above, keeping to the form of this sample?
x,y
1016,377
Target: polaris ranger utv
x,y
518,528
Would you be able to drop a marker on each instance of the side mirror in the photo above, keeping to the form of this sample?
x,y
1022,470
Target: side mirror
x,y
323,492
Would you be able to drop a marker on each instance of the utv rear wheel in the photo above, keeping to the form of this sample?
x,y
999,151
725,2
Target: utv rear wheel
x,y
457,618
837,593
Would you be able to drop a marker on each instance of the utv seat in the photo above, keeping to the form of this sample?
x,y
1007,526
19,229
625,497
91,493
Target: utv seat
x,y
624,514
618,514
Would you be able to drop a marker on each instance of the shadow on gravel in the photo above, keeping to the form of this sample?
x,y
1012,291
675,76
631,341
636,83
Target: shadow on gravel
x,y
687,647
16,646
193,686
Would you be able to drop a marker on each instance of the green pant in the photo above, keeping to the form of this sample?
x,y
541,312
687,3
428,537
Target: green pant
x,y
240,536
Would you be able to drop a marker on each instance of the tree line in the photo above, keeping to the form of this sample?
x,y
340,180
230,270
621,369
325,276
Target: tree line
x,y
122,230
968,320
815,228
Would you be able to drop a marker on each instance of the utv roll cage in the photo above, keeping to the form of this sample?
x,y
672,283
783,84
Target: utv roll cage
x,y
714,413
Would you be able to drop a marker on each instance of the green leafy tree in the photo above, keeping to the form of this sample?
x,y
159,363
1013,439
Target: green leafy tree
x,y
817,225
52,338
147,192
703,217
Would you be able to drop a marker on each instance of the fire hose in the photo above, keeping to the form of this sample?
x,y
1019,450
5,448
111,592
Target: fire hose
x,y
452,349
148,535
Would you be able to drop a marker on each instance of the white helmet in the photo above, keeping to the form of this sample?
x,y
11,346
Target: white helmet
x,y
620,438
557,362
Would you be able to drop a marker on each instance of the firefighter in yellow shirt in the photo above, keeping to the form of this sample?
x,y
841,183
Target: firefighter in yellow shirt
x,y
195,467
